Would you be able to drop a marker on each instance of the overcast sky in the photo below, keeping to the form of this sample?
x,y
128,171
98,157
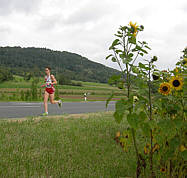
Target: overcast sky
x,y
86,27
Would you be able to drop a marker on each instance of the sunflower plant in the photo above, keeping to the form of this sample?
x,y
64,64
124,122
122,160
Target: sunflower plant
x,y
154,106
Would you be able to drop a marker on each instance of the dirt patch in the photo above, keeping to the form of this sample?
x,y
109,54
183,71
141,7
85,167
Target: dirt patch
x,y
65,117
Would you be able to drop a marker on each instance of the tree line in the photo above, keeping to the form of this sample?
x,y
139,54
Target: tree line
x,y
31,61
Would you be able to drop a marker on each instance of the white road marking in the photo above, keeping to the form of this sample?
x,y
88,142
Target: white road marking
x,y
27,103
19,106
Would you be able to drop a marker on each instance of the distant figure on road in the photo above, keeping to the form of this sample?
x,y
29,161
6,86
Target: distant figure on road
x,y
85,96
50,81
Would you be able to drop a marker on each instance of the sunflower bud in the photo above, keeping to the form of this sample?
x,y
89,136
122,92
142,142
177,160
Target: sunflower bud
x,y
184,62
141,27
154,59
135,98
155,77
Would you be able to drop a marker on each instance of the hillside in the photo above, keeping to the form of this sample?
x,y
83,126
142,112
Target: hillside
x,y
21,61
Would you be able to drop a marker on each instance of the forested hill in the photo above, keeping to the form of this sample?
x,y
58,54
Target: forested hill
x,y
22,61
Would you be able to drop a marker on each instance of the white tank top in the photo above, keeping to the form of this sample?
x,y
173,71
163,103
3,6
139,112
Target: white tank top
x,y
48,81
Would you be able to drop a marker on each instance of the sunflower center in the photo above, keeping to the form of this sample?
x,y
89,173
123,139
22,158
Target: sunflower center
x,y
176,83
165,88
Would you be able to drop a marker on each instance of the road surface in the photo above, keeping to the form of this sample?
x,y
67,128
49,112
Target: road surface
x,y
23,109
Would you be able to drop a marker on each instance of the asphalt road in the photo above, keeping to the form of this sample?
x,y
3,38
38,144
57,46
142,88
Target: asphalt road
x,y
20,110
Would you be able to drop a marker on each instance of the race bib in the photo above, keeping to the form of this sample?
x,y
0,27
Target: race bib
x,y
48,85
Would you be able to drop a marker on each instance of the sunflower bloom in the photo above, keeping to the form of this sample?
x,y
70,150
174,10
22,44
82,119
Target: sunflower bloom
x,y
176,82
165,88
134,28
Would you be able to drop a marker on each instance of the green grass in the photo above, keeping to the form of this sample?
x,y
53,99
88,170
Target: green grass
x,y
67,146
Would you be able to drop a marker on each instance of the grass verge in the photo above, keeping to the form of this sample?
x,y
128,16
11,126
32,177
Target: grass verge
x,y
80,145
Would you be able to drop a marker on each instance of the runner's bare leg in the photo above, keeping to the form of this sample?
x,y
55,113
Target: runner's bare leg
x,y
46,96
51,97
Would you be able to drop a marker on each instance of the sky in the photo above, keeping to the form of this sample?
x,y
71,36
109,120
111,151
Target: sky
x,y
87,27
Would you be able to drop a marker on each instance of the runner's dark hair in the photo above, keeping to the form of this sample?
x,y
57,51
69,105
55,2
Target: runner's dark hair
x,y
48,68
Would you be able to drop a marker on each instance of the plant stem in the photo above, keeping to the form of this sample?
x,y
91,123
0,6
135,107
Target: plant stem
x,y
150,118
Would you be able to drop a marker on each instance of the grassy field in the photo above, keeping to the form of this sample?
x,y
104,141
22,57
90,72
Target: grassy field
x,y
65,146
97,91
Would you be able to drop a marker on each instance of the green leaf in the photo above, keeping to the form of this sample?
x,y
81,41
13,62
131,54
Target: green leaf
x,y
132,40
111,47
113,59
109,56
109,99
131,55
121,106
115,42
174,143
184,155
142,116
146,129
133,120
142,65
118,51
122,56
178,123
147,47
120,85
140,49
118,116
119,32
119,35
120,110
135,69
127,60
144,51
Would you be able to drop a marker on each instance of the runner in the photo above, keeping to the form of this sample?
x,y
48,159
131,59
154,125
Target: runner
x,y
49,90
85,96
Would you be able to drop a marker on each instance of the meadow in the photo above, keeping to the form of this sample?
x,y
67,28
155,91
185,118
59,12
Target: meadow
x,y
80,145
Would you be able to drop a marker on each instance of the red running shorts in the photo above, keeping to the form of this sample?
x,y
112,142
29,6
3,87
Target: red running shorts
x,y
50,90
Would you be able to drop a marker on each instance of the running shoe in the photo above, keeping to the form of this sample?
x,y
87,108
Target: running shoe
x,y
44,114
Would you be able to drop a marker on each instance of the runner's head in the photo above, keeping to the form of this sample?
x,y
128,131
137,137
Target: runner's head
x,y
47,70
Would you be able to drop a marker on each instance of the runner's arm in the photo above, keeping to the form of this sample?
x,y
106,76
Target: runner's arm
x,y
54,82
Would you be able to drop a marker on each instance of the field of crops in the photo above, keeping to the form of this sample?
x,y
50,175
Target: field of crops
x,y
9,90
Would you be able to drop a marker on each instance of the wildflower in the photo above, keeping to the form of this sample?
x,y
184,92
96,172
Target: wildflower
x,y
176,82
118,134
134,28
156,147
176,70
165,88
147,149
